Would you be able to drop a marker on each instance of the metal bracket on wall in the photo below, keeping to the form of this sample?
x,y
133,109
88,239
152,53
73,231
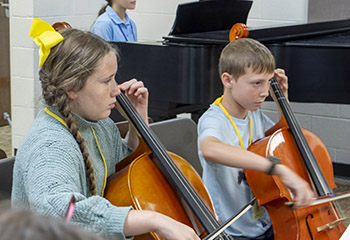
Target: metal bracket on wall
x,y
5,5
7,117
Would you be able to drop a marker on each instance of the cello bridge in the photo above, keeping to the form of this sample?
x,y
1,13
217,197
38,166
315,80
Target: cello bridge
x,y
331,225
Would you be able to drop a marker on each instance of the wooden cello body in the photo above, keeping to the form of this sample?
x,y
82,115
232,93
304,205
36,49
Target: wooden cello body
x,y
142,185
304,153
153,179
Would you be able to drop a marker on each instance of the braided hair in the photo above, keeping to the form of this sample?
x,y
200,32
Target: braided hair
x,y
67,68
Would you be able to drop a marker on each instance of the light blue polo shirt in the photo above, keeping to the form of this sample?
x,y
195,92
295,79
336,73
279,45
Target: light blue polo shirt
x,y
111,28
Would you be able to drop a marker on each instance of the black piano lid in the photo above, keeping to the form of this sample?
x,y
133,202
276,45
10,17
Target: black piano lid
x,y
193,26
300,31
201,18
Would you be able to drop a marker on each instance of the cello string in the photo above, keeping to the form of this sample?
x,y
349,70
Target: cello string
x,y
181,179
293,124
176,171
304,148
165,156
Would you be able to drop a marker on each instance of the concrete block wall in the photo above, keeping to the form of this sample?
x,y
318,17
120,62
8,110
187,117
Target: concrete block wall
x,y
330,122
275,12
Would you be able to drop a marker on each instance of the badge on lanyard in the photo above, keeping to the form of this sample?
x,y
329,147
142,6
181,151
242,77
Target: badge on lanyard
x,y
258,211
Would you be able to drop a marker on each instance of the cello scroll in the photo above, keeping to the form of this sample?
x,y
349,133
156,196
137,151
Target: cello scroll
x,y
238,30
61,25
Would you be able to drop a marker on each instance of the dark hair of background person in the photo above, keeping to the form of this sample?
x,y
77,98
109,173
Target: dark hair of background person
x,y
103,9
26,225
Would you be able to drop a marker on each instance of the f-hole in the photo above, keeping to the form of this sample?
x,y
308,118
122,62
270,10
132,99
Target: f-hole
x,y
308,226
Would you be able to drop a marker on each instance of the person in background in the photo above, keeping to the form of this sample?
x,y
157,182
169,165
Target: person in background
x,y
26,225
230,125
113,23
73,146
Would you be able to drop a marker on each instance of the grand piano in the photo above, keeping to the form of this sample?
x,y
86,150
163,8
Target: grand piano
x,y
181,71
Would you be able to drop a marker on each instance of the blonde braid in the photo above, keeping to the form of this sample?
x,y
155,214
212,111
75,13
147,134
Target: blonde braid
x,y
71,122
67,116
68,67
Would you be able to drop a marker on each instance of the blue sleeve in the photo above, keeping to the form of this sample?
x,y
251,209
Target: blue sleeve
x,y
104,30
134,28
210,126
266,121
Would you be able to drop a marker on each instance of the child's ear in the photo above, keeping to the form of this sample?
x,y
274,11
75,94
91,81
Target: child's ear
x,y
71,94
226,79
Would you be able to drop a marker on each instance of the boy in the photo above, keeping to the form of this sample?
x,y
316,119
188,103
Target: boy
x,y
228,127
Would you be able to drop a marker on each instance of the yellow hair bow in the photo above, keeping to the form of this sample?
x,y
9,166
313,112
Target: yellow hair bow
x,y
45,36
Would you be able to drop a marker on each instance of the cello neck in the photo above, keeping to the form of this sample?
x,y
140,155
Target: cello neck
x,y
316,174
169,168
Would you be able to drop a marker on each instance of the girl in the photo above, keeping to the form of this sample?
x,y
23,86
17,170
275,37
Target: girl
x,y
114,24
72,146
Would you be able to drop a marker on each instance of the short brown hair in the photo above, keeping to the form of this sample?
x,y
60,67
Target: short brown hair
x,y
245,53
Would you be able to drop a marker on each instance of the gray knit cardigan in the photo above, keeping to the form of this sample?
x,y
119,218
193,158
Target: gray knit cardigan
x,y
49,168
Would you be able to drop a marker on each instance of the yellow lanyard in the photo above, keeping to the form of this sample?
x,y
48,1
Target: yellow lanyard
x,y
218,103
98,145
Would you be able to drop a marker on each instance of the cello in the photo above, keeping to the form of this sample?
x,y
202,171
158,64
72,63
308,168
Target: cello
x,y
153,179
305,154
